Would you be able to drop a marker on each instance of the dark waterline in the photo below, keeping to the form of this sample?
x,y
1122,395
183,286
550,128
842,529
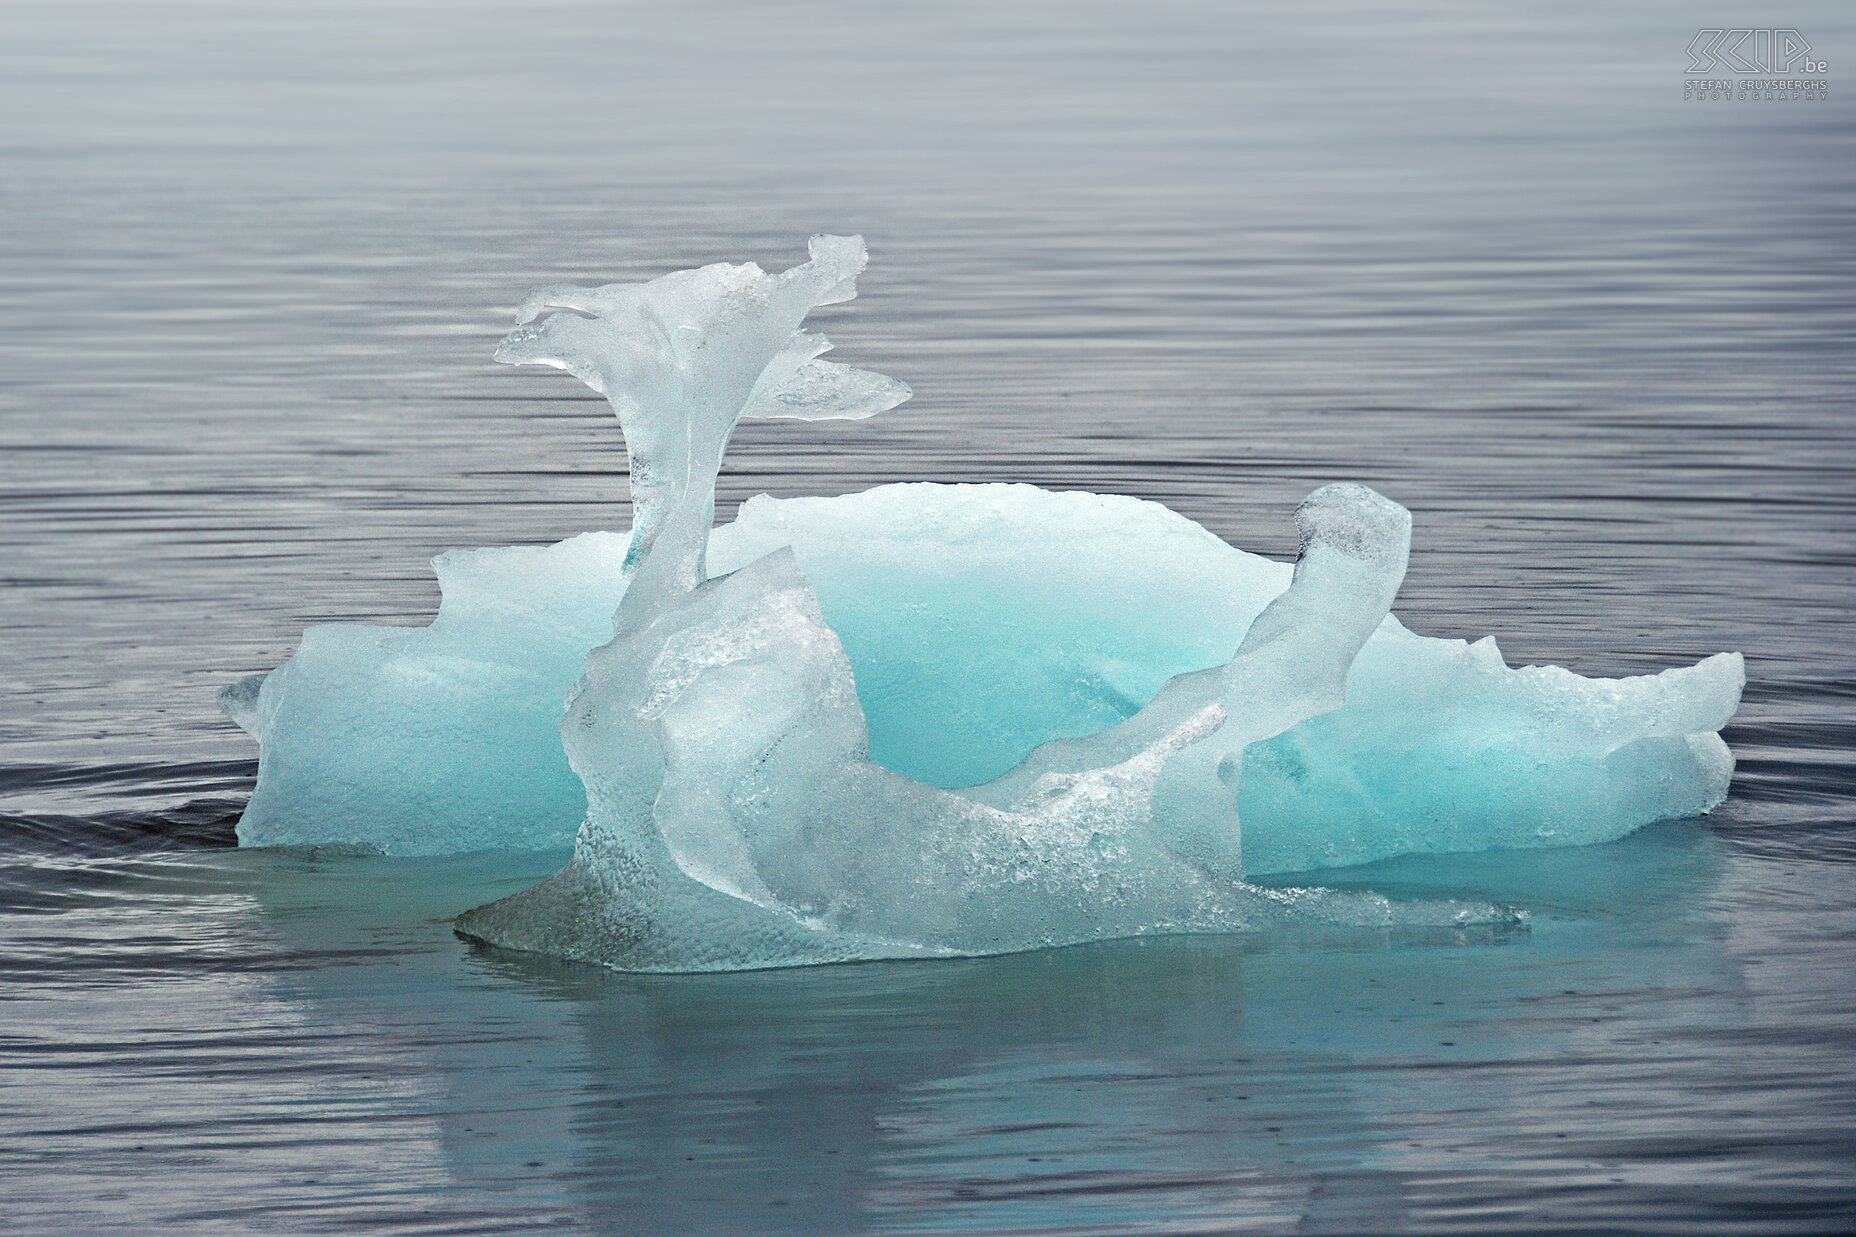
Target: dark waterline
x,y
1596,338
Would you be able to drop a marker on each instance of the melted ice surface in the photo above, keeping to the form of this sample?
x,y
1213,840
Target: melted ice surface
x,y
926,719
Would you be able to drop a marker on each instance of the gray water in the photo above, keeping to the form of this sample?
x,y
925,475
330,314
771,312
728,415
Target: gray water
x,y
253,261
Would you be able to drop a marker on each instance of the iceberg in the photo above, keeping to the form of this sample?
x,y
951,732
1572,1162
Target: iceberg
x,y
926,719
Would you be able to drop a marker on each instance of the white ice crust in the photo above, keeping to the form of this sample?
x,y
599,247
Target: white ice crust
x,y
926,719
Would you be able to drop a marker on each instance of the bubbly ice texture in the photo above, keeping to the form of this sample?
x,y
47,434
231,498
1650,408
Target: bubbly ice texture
x,y
926,719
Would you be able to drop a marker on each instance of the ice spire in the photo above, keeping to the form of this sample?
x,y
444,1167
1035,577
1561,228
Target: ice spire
x,y
682,359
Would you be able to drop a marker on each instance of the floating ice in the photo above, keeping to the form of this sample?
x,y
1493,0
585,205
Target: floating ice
x,y
925,719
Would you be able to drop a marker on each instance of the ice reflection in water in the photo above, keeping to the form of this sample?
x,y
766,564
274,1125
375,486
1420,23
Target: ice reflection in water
x,y
1125,1087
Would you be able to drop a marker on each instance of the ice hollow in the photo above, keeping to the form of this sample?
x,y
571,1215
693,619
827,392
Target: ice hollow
x,y
925,719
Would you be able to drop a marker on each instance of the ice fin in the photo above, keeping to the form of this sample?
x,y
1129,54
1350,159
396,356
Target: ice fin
x,y
240,702
822,391
1294,660
1292,664
839,259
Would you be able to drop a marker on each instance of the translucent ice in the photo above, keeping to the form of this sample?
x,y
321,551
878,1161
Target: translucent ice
x,y
735,819
683,359
977,626
442,740
925,719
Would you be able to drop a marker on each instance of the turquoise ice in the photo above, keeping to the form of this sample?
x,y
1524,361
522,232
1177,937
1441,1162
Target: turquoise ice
x,y
925,719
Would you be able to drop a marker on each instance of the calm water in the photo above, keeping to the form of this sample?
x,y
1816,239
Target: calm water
x,y
253,261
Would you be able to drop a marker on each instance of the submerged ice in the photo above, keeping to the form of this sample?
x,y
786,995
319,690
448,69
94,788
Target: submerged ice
x,y
925,719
